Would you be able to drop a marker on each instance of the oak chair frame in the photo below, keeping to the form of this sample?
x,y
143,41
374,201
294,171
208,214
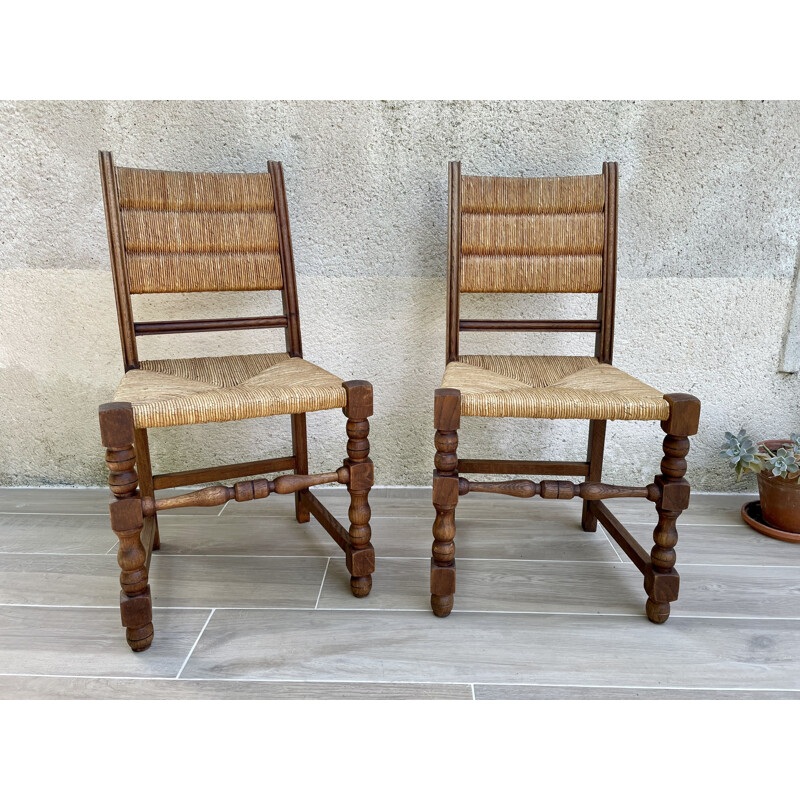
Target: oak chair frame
x,y
134,507
669,491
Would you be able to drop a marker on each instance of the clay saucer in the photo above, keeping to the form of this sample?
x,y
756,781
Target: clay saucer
x,y
751,514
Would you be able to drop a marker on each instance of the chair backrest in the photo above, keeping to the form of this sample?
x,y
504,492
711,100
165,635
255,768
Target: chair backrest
x,y
198,232
533,235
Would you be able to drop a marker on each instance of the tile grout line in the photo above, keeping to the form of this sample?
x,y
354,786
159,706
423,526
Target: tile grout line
x,y
342,609
202,631
167,679
610,543
322,583
374,516
681,564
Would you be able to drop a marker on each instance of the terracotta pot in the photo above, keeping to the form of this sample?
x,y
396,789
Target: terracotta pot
x,y
780,498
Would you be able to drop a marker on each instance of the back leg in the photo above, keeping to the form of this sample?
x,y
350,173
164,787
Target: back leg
x,y
145,471
300,452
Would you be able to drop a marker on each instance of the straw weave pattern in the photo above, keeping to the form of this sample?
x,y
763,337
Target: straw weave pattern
x,y
222,371
570,195
505,273
156,190
203,272
532,370
532,234
551,387
198,232
540,234
189,391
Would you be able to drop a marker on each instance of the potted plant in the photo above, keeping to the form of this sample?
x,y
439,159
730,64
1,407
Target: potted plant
x,y
776,463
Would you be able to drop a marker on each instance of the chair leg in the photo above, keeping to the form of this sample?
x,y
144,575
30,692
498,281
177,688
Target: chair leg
x,y
359,552
118,434
662,582
447,415
145,470
594,455
300,452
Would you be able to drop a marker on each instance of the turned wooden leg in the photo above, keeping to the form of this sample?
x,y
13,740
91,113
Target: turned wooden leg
x,y
359,552
118,434
662,581
300,451
447,418
145,470
594,455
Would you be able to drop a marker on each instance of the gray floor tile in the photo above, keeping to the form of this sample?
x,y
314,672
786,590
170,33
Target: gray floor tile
x,y
244,535
91,642
276,505
581,625
79,501
483,692
475,538
559,587
224,581
208,582
541,537
729,545
499,648
38,688
419,505
55,533
704,509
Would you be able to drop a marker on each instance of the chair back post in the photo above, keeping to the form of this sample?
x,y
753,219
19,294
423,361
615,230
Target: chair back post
x,y
453,259
119,272
289,292
604,344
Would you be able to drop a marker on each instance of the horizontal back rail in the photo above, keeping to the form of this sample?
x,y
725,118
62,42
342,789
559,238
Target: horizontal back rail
x,y
205,325
588,325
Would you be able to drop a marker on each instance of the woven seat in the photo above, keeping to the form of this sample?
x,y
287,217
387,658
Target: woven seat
x,y
550,387
192,390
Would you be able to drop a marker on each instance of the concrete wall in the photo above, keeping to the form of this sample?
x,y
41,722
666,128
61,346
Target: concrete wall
x,y
708,245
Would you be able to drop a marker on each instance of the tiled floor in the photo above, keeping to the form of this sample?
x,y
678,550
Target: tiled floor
x,y
249,604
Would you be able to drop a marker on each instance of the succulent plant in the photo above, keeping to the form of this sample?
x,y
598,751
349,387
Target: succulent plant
x,y
744,455
741,453
783,463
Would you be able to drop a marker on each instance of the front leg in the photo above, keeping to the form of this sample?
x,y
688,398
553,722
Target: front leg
x,y
661,580
359,552
447,416
118,434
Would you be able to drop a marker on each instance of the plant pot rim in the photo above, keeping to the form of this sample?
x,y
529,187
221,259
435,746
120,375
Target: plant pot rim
x,y
764,475
773,444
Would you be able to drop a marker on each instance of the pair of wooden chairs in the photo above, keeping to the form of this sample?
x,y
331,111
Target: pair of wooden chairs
x,y
203,232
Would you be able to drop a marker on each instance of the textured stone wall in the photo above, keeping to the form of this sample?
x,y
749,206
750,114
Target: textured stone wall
x,y
708,245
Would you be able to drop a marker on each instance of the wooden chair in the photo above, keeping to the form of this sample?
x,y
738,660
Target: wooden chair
x,y
549,235
203,232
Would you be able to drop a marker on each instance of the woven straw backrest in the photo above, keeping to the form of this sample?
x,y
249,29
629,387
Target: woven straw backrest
x,y
532,234
198,232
